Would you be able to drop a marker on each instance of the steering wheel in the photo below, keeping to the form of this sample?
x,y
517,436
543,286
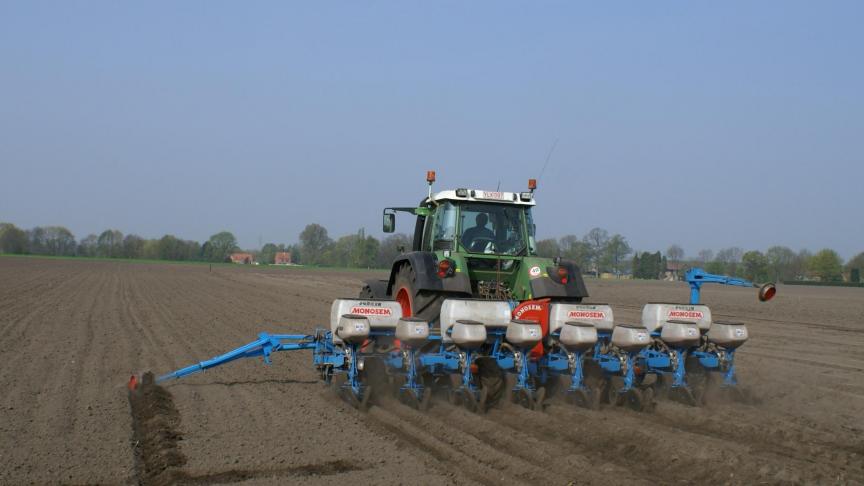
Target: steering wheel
x,y
475,246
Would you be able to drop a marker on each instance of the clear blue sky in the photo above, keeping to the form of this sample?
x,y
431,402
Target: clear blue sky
x,y
708,124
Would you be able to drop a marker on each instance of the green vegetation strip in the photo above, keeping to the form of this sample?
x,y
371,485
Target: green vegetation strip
x,y
824,284
276,268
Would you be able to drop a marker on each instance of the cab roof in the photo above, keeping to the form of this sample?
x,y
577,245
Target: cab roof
x,y
477,195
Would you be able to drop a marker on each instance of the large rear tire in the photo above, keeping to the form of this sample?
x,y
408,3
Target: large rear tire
x,y
366,293
424,304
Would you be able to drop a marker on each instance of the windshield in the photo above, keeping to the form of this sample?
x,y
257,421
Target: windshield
x,y
492,228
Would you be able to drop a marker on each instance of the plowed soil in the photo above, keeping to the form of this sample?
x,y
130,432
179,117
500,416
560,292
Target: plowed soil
x,y
72,333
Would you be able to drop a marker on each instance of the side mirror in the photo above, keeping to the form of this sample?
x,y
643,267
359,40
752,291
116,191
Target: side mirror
x,y
389,222
766,292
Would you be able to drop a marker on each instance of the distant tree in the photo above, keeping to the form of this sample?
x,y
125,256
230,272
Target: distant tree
x,y
133,246
801,263
366,251
314,242
675,253
339,253
221,246
730,257
267,255
716,267
88,246
856,263
648,265
705,256
53,240
110,244
634,266
781,263
150,251
576,250
206,253
193,250
597,239
755,266
617,250
12,239
36,241
548,248
827,265
732,254
296,254
170,247
354,251
391,247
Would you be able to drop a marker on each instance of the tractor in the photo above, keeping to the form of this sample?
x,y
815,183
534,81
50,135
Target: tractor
x,y
471,243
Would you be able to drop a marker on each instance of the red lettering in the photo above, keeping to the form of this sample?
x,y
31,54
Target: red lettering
x,y
527,308
586,315
371,311
678,314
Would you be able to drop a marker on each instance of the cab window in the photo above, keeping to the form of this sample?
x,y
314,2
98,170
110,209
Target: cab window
x,y
444,232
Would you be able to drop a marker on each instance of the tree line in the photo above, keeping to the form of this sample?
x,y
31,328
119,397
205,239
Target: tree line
x,y
596,252
316,247
111,243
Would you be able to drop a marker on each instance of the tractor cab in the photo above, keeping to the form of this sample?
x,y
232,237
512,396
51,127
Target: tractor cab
x,y
472,221
480,223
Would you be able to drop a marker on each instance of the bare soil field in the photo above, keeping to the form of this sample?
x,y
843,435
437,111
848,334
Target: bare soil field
x,y
72,332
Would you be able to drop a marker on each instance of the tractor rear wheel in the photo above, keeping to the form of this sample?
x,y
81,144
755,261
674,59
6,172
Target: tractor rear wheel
x,y
424,304
366,293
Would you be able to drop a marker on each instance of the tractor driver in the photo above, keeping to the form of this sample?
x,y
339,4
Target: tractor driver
x,y
475,238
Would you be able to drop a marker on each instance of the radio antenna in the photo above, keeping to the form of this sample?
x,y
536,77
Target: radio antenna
x,y
548,157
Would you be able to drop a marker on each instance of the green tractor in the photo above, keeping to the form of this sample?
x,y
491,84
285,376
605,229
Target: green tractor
x,y
472,243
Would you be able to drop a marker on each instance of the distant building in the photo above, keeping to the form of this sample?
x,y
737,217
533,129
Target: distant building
x,y
282,258
674,270
244,258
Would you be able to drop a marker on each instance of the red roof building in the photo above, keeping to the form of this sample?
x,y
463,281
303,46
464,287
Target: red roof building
x,y
282,258
244,258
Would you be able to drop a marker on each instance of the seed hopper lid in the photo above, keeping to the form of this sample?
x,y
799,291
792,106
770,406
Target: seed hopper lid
x,y
469,322
632,326
579,324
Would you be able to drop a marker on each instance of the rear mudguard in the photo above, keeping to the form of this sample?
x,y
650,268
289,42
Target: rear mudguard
x,y
425,265
573,290
377,287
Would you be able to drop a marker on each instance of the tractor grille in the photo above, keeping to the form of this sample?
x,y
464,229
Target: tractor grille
x,y
490,289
